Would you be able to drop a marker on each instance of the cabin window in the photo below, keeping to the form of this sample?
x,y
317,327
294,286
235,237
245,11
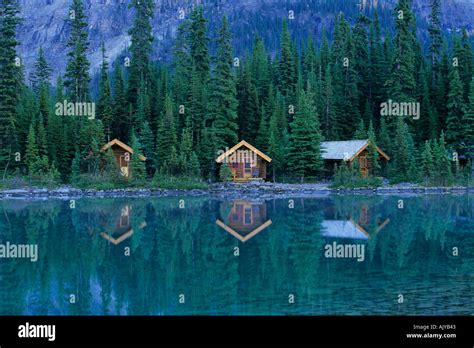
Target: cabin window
x,y
248,216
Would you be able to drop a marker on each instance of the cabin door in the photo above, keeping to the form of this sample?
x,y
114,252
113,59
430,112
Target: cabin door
x,y
124,165
364,165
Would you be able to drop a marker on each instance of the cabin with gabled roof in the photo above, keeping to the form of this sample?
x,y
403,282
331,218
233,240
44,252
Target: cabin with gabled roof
x,y
122,153
245,161
335,152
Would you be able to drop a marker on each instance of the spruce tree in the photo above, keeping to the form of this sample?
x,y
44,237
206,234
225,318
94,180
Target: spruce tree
x,y
32,153
146,139
76,78
286,64
436,38
276,146
402,79
305,142
223,101
137,166
41,71
372,153
456,109
9,82
182,64
141,47
166,136
122,121
104,105
427,161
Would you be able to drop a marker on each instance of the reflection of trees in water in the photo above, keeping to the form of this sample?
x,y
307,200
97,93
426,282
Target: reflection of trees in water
x,y
183,251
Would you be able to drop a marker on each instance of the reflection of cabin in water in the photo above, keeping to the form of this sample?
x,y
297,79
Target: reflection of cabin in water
x,y
246,219
335,152
245,216
123,227
246,162
122,153
353,227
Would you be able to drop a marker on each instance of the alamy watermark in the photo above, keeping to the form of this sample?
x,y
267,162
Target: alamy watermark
x,y
75,109
345,251
406,109
23,251
239,156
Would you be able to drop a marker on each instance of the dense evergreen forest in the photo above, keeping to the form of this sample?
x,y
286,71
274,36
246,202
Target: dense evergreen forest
x,y
180,114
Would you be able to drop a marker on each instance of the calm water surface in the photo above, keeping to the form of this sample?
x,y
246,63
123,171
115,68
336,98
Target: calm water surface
x,y
341,255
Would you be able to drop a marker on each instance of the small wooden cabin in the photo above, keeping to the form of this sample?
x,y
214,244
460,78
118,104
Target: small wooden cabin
x,y
122,153
334,152
246,162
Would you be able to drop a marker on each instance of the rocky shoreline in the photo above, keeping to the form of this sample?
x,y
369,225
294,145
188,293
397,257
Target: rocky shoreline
x,y
230,190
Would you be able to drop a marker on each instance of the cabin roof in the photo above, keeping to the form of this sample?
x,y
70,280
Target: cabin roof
x,y
239,145
122,145
349,149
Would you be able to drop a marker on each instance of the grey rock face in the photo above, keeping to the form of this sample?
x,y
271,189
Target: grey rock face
x,y
44,23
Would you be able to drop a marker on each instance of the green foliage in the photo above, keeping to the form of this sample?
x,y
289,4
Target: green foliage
x,y
141,47
348,176
305,139
223,101
105,105
137,174
183,112
225,174
77,69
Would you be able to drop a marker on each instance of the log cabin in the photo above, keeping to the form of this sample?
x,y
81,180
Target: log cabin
x,y
335,152
122,153
246,162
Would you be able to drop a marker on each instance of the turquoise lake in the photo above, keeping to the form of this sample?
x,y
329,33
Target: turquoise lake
x,y
331,255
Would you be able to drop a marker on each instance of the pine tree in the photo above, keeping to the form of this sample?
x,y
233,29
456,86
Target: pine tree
x,y
372,153
182,64
248,105
360,132
403,153
41,71
199,43
166,135
137,166
456,108
9,82
122,121
223,101
402,79
276,146
104,105
467,130
41,137
32,153
442,164
146,138
141,47
225,174
286,64
466,67
329,123
436,39
76,167
76,79
304,153
427,161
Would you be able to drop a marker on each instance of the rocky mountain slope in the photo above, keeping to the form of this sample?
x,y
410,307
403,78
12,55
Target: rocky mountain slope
x,y
44,22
